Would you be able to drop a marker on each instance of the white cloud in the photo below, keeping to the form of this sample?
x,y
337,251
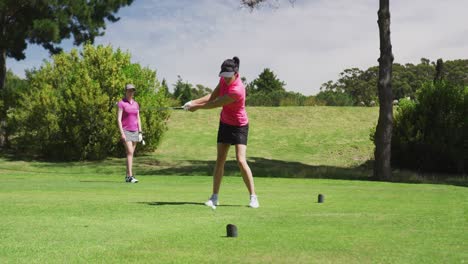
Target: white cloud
x,y
305,45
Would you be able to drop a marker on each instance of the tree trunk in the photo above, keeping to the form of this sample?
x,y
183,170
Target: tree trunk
x,y
2,69
2,86
439,71
383,134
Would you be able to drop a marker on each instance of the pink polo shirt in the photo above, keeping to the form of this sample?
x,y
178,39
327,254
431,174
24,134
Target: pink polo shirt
x,y
233,114
129,114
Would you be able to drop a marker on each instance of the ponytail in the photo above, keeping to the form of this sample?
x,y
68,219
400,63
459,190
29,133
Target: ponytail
x,y
237,61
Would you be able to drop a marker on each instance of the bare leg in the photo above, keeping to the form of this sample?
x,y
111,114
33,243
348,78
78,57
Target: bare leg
x,y
241,151
219,167
130,149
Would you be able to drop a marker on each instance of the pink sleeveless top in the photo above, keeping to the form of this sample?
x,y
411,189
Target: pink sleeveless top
x,y
234,114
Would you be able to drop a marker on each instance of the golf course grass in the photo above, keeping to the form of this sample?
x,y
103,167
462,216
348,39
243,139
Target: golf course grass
x,y
83,212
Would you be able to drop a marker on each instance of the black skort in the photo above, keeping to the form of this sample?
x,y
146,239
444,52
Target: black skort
x,y
234,135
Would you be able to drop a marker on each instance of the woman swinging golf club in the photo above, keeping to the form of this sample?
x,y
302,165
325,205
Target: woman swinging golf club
x,y
233,127
128,120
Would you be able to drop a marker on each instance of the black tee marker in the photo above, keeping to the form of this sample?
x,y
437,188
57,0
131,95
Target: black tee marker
x,y
231,230
320,198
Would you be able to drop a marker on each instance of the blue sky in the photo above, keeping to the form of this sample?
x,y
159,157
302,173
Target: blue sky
x,y
305,44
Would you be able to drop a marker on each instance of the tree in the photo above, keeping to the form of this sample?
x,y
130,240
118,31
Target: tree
x,y
265,90
430,133
456,72
200,91
383,136
182,90
356,84
14,87
267,82
165,88
47,23
383,133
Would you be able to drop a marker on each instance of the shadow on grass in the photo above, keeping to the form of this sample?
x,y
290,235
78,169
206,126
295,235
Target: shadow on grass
x,y
184,203
148,165
105,182
262,167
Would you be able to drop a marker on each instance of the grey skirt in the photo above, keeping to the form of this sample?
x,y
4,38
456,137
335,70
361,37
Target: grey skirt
x,y
131,136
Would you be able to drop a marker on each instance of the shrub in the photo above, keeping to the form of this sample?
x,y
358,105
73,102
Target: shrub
x,y
264,98
69,111
430,134
14,86
335,98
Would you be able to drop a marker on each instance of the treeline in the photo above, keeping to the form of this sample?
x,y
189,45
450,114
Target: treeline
x,y
354,87
184,91
357,87
266,90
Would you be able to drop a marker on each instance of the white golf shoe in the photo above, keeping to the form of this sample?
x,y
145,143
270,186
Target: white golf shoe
x,y
131,179
212,203
254,201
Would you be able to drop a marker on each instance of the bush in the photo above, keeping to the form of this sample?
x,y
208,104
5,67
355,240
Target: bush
x,y
335,98
430,134
14,86
264,98
280,98
69,111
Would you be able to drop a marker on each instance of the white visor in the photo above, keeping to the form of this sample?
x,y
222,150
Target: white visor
x,y
226,74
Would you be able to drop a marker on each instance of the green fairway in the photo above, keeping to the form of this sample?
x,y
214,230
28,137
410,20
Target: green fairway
x,y
83,212
94,217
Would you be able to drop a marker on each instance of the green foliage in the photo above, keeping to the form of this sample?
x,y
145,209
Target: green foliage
x,y
69,111
361,85
335,98
353,87
263,98
14,86
165,88
47,22
430,134
297,99
456,72
268,90
292,99
183,90
200,91
267,82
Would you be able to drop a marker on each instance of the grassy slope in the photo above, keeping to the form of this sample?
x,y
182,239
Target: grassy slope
x,y
332,136
283,142
83,212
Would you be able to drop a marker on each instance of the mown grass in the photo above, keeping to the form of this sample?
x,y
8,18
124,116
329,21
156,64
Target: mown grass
x,y
329,136
83,212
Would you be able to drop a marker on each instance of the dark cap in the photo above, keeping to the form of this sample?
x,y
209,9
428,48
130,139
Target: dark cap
x,y
229,67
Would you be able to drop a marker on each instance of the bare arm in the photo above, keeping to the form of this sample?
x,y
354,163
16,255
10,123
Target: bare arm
x,y
139,122
219,101
119,122
208,97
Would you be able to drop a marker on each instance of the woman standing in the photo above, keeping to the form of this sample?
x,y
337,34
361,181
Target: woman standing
x,y
233,127
128,120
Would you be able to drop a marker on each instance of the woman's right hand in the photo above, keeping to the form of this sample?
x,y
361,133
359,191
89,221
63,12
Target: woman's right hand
x,y
187,105
123,138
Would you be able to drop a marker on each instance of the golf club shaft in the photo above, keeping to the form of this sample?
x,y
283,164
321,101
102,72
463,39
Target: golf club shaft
x,y
170,108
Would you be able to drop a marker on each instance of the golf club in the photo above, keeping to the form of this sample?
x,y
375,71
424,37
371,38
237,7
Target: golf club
x,y
170,108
